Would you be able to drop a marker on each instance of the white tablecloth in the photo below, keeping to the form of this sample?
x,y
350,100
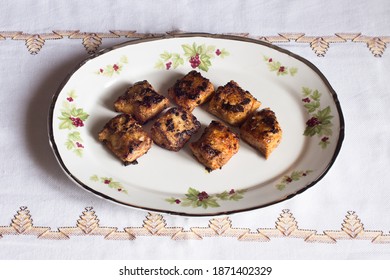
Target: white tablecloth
x,y
43,215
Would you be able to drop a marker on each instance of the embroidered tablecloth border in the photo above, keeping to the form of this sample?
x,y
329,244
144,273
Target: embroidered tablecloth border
x,y
286,226
93,40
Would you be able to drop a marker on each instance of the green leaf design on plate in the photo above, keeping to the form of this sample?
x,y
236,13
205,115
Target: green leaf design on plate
x,y
75,143
198,56
306,91
72,95
159,64
188,50
65,124
294,176
109,182
293,71
74,136
312,106
111,69
222,53
69,145
316,95
72,118
177,60
279,68
94,178
231,195
78,152
124,59
165,56
320,121
195,198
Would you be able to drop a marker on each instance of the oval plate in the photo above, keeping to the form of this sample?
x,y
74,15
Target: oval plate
x,y
174,182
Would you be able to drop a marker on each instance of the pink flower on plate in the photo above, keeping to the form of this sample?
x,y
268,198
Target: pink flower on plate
x,y
312,122
77,122
194,61
79,145
218,52
203,195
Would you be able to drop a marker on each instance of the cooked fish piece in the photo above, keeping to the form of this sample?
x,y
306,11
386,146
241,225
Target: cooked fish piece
x,y
141,101
216,146
125,138
232,104
262,131
174,128
191,91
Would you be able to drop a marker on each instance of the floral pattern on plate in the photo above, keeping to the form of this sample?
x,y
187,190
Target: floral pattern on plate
x,y
73,118
279,68
111,69
320,119
294,176
198,56
110,183
196,198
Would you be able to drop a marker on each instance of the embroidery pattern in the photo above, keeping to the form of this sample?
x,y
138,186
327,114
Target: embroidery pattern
x,y
285,226
92,41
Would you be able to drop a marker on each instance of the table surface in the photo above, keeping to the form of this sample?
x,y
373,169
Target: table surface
x,y
44,215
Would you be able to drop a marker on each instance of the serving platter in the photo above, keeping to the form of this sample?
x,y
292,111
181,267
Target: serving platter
x,y
304,102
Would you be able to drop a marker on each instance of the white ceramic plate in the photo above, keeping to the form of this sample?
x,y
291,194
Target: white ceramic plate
x,y
174,182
